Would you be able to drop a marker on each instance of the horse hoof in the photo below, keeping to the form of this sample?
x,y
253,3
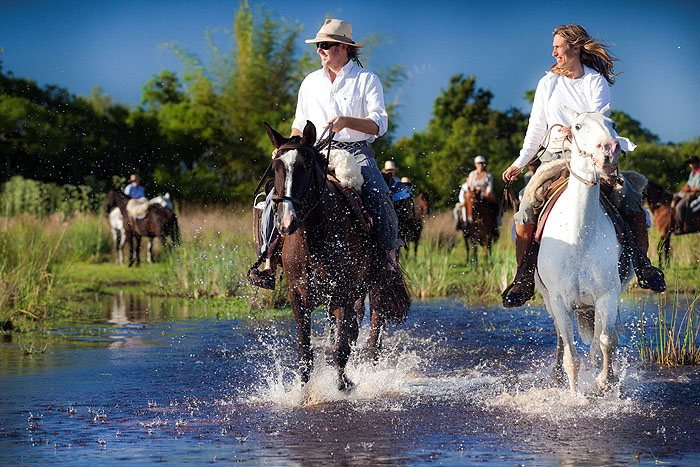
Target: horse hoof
x,y
344,384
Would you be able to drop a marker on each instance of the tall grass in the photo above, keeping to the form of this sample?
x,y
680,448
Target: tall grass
x,y
670,336
441,268
32,253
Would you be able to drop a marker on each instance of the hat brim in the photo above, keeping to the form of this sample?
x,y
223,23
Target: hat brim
x,y
332,38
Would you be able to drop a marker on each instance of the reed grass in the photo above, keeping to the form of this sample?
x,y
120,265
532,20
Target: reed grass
x,y
671,336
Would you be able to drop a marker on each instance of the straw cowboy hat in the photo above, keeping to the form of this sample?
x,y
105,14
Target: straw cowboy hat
x,y
389,166
334,30
405,180
478,159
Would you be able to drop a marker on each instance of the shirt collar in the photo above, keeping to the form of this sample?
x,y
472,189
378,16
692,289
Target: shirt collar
x,y
347,68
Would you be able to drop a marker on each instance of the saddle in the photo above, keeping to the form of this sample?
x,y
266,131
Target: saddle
x,y
551,181
352,197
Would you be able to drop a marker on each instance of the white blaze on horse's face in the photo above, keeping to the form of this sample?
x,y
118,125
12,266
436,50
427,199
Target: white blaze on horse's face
x,y
285,211
595,136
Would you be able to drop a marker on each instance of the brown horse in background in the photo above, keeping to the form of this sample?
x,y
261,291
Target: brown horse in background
x,y
481,225
662,206
327,255
160,223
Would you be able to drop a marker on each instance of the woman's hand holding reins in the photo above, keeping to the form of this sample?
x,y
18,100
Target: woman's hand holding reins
x,y
511,173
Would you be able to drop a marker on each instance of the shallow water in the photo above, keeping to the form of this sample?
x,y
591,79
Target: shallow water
x,y
136,381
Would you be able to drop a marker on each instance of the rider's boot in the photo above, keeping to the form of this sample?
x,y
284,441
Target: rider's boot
x,y
523,286
266,277
648,276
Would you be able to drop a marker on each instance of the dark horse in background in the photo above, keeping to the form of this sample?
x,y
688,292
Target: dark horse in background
x,y
328,257
160,223
481,225
661,205
410,225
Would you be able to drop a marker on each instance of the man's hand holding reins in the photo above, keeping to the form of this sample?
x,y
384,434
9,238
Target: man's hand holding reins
x,y
511,173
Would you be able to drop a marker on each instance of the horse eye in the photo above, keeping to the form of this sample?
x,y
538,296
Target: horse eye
x,y
578,126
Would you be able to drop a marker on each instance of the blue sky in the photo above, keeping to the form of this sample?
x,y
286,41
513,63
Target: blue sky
x,y
505,44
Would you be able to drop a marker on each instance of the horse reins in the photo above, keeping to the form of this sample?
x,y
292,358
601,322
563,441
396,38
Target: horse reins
x,y
322,143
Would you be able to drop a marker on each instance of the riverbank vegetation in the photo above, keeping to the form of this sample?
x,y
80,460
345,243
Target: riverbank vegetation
x,y
47,262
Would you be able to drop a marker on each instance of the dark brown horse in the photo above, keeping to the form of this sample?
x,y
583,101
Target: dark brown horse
x,y
160,223
328,257
661,204
481,225
409,225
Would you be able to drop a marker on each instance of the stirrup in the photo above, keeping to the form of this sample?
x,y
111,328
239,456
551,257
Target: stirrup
x,y
514,299
264,279
656,282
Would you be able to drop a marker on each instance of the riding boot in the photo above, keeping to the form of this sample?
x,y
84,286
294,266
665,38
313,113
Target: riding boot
x,y
648,276
523,286
266,277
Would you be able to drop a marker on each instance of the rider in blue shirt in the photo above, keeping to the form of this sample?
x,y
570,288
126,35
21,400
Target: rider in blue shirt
x,y
134,189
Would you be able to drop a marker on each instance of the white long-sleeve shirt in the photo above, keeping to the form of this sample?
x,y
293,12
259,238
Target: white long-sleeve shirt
x,y
589,93
355,92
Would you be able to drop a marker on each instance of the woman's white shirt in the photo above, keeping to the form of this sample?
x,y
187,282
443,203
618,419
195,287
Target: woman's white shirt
x,y
589,93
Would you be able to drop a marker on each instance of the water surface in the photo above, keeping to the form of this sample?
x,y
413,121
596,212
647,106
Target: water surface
x,y
134,380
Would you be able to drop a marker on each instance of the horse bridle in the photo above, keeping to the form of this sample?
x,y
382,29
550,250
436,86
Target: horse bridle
x,y
322,143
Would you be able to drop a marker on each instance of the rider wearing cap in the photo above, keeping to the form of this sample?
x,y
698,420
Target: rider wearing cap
x,y
351,99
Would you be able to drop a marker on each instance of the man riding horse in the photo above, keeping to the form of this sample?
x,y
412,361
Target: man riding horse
x,y
350,99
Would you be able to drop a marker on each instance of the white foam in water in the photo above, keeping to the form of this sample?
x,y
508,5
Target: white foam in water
x,y
404,372
392,376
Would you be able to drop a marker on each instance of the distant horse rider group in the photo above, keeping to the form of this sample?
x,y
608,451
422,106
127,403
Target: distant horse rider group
x,y
132,216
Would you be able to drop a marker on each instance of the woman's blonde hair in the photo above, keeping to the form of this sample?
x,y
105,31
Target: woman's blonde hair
x,y
593,54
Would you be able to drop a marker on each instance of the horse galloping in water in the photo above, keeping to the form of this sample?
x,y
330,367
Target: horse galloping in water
x,y
160,223
578,266
328,257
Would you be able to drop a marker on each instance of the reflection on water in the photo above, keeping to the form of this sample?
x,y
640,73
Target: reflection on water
x,y
136,381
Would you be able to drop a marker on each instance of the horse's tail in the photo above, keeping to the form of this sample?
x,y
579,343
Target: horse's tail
x,y
175,232
585,317
395,296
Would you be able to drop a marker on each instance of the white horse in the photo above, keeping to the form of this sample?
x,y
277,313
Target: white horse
x,y
579,252
116,225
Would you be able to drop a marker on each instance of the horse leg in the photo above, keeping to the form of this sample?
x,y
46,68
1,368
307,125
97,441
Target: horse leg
x,y
120,247
149,250
347,326
303,318
606,311
131,239
374,342
138,250
565,329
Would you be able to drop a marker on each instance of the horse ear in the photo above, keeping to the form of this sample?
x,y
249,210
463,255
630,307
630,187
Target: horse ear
x,y
276,139
606,110
570,113
309,135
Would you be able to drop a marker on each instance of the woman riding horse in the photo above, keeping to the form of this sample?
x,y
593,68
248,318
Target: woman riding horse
x,y
580,79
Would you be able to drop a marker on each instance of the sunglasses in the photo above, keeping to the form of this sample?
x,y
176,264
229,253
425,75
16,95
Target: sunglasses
x,y
326,45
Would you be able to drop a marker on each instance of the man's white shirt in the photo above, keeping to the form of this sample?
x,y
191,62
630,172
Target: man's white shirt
x,y
356,92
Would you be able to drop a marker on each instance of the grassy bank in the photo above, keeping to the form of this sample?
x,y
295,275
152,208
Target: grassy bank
x,y
47,261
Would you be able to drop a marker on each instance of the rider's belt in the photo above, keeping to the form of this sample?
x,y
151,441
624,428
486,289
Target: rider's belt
x,y
348,144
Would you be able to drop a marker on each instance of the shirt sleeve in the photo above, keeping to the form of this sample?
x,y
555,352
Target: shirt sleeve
x,y
374,100
300,116
537,126
600,92
489,187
